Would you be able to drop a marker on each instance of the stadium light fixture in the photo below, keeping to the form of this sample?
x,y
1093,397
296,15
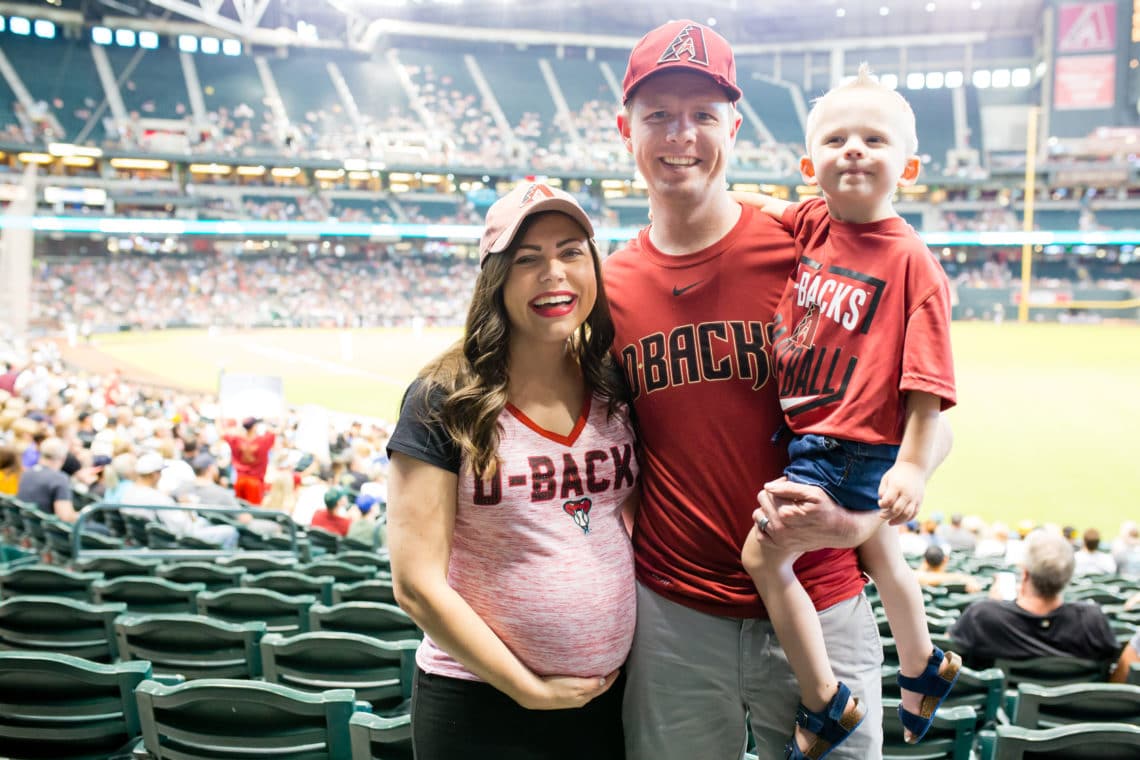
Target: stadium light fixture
x,y
840,12
930,7
148,40
19,25
210,45
935,80
231,47
67,149
954,79
146,164
328,174
890,81
210,169
285,172
34,158
125,37
188,43
915,80
1021,77
884,10
399,187
360,176
44,29
3,23
101,35
981,79
251,171
79,162
1000,78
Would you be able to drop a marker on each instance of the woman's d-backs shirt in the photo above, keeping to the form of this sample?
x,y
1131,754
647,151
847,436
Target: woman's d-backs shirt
x,y
539,550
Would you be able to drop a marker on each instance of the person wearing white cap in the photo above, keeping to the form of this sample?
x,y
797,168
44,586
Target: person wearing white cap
x,y
693,299
512,467
143,492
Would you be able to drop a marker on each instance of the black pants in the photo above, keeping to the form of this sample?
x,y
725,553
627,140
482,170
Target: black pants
x,y
453,718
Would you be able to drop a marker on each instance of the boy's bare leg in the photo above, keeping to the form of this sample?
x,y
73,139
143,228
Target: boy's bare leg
x,y
901,596
796,622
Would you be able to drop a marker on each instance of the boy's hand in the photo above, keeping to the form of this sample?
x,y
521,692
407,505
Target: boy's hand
x,y
901,492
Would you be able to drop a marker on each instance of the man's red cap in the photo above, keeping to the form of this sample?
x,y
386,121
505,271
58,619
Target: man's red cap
x,y
682,46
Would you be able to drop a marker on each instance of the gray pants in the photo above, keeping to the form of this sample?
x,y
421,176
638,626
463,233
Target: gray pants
x,y
693,680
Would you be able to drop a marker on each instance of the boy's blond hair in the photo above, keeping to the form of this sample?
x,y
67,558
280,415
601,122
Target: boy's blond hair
x,y
864,79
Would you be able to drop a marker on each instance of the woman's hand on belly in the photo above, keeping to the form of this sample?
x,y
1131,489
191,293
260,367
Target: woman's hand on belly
x,y
564,692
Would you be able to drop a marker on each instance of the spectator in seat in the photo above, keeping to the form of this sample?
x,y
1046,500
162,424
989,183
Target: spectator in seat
x,y
956,537
1090,560
1039,622
368,528
10,470
933,571
143,492
45,486
334,517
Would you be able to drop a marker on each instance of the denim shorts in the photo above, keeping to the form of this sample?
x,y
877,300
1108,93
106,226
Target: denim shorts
x,y
849,471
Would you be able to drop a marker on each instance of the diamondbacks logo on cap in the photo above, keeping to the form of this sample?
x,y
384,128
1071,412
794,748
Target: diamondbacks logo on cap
x,y
535,189
690,41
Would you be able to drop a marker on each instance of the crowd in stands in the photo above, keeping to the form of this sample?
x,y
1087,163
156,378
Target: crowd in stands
x,y
68,438
385,289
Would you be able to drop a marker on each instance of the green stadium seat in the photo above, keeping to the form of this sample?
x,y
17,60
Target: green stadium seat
x,y
364,591
213,577
341,571
375,737
382,621
293,583
323,540
115,567
280,613
380,672
226,718
255,563
1052,706
46,580
364,559
951,736
56,624
143,594
980,690
59,706
58,536
191,646
1052,671
1086,741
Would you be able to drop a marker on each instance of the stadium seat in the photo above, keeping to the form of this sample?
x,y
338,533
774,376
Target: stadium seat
x,y
280,613
364,591
1052,671
951,736
255,563
46,580
380,672
293,583
161,537
364,559
375,737
383,621
59,706
217,717
323,540
1086,741
52,624
191,646
144,594
213,577
341,571
135,526
58,536
1049,707
115,567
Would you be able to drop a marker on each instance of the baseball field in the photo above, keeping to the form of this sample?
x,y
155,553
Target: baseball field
x,y
1046,428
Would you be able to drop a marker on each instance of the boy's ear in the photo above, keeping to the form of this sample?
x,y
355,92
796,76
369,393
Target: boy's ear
x,y
910,171
807,170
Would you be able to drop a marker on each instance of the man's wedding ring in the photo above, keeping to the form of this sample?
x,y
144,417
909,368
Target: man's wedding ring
x,y
763,524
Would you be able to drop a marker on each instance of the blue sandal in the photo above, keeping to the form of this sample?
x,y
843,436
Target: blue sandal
x,y
933,686
830,726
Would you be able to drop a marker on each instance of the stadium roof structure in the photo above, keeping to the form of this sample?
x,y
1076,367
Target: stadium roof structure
x,y
778,24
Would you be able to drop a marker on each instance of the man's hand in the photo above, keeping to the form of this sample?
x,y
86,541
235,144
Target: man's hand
x,y
901,491
803,518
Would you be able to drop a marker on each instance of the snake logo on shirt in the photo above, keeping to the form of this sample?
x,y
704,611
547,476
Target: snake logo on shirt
x,y
579,511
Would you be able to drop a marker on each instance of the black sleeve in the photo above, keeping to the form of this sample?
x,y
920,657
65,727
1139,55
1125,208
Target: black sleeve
x,y
419,435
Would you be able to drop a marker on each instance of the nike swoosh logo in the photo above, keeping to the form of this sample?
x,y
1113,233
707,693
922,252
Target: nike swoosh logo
x,y
788,403
678,291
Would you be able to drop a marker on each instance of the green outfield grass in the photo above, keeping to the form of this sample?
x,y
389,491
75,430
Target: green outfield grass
x,y
1046,426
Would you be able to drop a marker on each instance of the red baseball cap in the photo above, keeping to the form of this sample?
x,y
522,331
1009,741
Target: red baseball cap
x,y
682,46
506,216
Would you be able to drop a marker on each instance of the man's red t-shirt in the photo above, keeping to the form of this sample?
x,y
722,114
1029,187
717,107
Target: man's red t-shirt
x,y
692,337
251,455
326,520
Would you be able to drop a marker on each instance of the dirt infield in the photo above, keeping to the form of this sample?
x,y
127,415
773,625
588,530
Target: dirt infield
x,y
91,358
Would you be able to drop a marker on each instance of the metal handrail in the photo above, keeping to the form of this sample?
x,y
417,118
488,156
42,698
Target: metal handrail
x,y
262,514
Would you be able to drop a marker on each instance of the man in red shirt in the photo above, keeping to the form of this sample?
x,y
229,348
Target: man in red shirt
x,y
333,518
250,454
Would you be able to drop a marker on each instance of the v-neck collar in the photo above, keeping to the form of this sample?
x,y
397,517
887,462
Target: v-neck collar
x,y
565,440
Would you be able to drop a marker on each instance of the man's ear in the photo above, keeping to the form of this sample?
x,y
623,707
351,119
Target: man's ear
x,y
910,171
807,171
623,128
736,123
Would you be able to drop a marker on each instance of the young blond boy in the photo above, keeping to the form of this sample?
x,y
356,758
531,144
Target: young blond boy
x,y
863,364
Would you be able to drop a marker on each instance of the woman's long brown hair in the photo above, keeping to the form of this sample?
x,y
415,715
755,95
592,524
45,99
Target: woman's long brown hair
x,y
472,375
